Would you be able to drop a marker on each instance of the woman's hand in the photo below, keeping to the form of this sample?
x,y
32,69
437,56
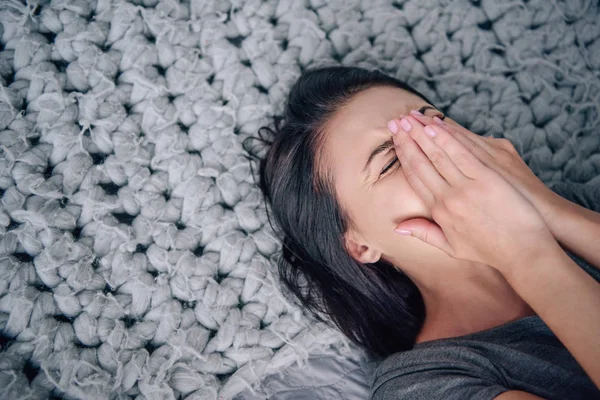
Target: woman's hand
x,y
573,226
479,215
539,271
500,155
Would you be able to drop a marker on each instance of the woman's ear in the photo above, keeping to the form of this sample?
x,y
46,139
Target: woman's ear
x,y
360,250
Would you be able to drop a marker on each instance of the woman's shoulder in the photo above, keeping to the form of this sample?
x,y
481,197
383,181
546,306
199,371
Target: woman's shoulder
x,y
481,365
454,349
441,366
530,328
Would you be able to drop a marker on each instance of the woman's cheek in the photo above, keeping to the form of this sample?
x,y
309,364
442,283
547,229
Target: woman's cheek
x,y
402,200
391,203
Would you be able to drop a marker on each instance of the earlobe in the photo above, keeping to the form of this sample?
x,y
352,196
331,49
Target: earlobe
x,y
361,251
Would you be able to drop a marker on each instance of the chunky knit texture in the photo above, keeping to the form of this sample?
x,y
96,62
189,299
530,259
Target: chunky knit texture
x,y
135,254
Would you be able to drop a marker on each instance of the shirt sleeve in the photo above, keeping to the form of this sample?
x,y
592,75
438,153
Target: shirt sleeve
x,y
437,373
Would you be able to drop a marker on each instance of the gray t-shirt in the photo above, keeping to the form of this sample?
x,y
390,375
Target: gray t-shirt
x,y
520,355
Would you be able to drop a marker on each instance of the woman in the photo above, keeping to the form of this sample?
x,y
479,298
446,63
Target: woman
x,y
440,254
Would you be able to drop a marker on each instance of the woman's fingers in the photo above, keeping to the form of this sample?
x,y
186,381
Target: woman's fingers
x,y
427,231
489,150
420,173
475,143
460,154
478,145
446,163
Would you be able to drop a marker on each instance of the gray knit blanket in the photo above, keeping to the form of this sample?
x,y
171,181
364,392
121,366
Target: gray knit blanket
x,y
136,260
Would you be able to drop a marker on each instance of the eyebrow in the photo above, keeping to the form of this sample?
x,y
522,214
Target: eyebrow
x,y
389,143
385,146
425,108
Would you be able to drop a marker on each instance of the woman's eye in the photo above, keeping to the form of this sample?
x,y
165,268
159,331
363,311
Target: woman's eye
x,y
389,165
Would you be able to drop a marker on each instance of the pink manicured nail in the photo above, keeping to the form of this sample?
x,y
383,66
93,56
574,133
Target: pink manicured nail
x,y
438,121
430,131
417,113
402,232
393,127
405,125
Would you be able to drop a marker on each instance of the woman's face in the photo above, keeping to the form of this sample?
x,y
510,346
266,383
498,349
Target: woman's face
x,y
358,154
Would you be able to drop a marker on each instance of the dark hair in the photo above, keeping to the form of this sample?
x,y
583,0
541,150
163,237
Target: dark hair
x,y
375,305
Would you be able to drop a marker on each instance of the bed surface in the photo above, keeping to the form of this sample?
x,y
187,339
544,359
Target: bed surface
x,y
135,254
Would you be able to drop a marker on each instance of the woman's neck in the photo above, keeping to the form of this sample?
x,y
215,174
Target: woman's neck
x,y
465,298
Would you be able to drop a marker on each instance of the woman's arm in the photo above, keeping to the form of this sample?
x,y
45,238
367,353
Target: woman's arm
x,y
483,218
577,229
566,298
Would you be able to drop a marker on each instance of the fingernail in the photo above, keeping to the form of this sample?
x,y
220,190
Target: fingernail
x,y
393,127
402,232
438,121
415,112
405,125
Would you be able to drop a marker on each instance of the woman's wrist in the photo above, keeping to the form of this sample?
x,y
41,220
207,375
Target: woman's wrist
x,y
577,229
521,274
529,257
555,209
561,215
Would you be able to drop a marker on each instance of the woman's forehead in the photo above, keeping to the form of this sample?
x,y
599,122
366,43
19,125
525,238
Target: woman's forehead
x,y
358,127
374,107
